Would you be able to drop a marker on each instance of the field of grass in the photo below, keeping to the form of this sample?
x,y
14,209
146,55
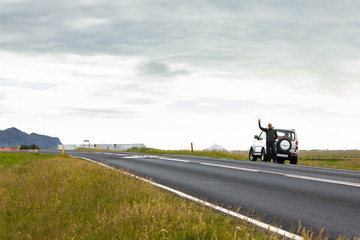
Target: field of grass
x,y
58,197
342,159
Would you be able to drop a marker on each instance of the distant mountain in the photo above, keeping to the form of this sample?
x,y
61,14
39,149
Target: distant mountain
x,y
14,137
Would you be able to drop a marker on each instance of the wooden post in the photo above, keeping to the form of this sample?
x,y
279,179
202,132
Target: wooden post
x,y
192,147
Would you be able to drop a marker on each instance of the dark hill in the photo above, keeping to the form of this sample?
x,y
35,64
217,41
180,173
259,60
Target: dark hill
x,y
12,137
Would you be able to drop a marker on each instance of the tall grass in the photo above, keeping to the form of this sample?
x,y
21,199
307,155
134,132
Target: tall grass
x,y
47,197
342,159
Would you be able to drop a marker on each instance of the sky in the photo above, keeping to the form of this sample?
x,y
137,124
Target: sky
x,y
170,72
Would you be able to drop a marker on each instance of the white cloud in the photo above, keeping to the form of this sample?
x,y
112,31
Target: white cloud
x,y
159,69
170,73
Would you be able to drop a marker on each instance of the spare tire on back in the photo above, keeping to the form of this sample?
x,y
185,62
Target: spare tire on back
x,y
283,145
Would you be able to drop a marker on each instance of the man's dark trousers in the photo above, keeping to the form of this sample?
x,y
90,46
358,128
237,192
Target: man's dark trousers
x,y
271,145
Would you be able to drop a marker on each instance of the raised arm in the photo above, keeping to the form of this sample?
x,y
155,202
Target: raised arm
x,y
260,125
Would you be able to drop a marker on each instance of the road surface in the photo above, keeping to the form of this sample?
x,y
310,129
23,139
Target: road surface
x,y
280,195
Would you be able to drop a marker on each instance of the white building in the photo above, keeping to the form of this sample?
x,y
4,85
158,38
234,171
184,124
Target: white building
x,y
120,147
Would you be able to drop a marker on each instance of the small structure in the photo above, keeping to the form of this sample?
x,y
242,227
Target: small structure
x,y
67,147
119,147
9,148
215,147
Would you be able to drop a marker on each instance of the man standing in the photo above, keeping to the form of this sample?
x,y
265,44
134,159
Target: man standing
x,y
271,135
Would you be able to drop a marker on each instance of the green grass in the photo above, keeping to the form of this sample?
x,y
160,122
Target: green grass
x,y
341,159
58,197
11,159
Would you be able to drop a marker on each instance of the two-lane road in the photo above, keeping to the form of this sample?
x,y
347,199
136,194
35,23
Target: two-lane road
x,y
278,194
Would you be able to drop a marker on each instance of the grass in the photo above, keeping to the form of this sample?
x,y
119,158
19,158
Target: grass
x,y
58,197
341,159
9,159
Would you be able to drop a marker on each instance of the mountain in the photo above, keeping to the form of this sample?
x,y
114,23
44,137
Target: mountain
x,y
14,137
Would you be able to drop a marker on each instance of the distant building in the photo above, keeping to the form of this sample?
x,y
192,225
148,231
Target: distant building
x,y
120,147
10,148
67,147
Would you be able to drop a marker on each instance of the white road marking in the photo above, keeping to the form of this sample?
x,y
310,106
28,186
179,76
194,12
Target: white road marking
x,y
251,170
324,180
288,175
232,167
156,157
134,156
173,159
224,210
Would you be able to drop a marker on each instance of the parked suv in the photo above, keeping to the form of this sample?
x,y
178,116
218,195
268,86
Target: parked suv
x,y
287,147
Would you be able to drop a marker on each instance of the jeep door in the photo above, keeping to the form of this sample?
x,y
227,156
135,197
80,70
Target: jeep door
x,y
260,143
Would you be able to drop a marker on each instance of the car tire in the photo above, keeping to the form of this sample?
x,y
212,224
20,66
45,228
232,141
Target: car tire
x,y
263,156
281,160
252,157
283,145
293,160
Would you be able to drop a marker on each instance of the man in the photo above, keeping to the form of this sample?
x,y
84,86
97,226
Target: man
x,y
271,135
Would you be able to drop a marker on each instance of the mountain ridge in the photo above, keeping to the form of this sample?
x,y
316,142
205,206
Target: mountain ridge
x,y
14,137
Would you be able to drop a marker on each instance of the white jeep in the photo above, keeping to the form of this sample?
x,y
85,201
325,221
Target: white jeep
x,y
287,147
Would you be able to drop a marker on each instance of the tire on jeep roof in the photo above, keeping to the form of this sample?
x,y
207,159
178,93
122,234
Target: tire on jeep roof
x,y
283,145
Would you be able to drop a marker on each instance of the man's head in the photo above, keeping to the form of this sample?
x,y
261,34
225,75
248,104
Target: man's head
x,y
270,125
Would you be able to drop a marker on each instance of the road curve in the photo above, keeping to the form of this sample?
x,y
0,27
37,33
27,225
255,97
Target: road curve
x,y
279,194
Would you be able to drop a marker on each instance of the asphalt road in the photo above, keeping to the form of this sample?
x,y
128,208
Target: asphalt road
x,y
280,195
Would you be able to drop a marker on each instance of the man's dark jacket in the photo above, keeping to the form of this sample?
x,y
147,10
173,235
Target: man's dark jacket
x,y
271,133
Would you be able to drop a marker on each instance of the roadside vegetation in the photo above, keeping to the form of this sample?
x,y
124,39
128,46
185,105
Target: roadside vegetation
x,y
59,197
341,159
349,160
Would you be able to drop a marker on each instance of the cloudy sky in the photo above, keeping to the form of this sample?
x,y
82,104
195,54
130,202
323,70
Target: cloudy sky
x,y
169,72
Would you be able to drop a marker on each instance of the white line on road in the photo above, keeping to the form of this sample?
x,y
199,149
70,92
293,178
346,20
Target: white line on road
x,y
324,180
232,167
224,210
134,156
173,159
250,170
157,157
288,175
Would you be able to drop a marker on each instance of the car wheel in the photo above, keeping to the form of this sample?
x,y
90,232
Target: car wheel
x,y
281,160
252,157
293,160
263,155
283,145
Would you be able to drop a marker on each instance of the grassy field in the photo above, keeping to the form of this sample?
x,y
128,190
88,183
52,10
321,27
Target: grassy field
x,y
48,197
331,159
343,159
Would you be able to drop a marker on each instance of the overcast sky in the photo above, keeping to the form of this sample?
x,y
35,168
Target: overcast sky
x,y
169,72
